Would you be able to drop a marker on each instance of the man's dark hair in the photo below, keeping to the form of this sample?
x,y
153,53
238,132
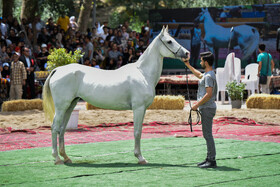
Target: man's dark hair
x,y
208,56
88,37
262,47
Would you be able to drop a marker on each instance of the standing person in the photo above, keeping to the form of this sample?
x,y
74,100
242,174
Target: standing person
x,y
89,48
29,64
195,44
265,61
43,57
18,77
207,91
63,21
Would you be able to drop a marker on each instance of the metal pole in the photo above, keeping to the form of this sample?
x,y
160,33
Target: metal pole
x,y
94,13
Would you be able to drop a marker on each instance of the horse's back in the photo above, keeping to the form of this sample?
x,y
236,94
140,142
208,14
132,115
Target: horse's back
x,y
110,89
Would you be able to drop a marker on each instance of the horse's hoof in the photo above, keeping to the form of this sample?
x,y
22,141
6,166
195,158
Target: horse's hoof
x,y
68,161
143,162
59,162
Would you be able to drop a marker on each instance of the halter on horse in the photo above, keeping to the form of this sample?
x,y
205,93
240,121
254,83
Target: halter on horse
x,y
131,87
216,36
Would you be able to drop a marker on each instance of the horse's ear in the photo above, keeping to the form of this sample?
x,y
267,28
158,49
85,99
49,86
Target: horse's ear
x,y
202,9
162,30
206,9
166,29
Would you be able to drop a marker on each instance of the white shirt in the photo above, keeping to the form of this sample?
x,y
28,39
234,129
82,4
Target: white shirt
x,y
27,61
4,29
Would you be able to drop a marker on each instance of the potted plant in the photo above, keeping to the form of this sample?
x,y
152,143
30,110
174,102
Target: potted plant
x,y
235,92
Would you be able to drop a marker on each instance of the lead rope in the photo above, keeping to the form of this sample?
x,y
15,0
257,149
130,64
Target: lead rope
x,y
197,111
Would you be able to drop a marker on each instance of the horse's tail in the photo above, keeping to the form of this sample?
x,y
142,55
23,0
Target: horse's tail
x,y
48,103
253,45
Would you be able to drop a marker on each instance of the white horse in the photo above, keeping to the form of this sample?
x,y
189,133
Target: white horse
x,y
131,87
216,36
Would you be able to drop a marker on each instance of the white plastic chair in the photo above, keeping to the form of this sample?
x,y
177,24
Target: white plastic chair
x,y
231,71
251,78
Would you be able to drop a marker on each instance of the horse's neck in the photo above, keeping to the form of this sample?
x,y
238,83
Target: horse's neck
x,y
209,23
150,63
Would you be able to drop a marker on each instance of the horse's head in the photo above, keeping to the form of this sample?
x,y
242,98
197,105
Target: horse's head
x,y
204,13
171,48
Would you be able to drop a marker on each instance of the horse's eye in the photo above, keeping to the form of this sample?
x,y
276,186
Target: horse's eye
x,y
169,42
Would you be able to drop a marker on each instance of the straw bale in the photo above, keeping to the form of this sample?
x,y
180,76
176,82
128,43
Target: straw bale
x,y
164,102
263,101
22,104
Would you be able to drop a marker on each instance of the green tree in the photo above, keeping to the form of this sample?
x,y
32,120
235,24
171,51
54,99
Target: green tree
x,y
7,8
84,15
60,57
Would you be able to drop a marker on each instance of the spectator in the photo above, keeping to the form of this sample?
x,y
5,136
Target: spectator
x,y
120,61
110,37
2,40
50,25
19,46
124,33
98,56
14,39
112,64
118,38
15,25
73,23
3,28
89,48
4,57
131,56
87,61
18,77
266,66
105,33
43,57
29,64
44,36
6,71
128,29
141,47
138,53
114,53
94,63
94,34
63,21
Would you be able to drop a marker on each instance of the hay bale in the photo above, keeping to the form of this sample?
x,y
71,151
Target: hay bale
x,y
165,102
263,101
22,104
168,102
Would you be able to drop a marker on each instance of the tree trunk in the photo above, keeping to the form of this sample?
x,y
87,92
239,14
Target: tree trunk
x,y
7,8
84,15
28,11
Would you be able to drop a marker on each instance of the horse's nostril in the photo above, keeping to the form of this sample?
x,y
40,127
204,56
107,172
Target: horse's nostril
x,y
187,54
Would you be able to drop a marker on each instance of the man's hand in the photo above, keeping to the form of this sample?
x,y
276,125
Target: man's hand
x,y
186,61
195,106
23,82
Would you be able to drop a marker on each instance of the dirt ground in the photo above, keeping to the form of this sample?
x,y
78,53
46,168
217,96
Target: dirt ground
x,y
35,118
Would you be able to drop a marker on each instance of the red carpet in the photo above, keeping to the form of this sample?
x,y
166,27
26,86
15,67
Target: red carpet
x,y
226,127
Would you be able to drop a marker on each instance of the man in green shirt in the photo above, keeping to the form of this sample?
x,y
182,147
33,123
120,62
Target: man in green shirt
x,y
266,66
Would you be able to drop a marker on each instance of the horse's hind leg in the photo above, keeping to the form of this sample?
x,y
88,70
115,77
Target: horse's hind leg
x,y
58,118
138,116
62,131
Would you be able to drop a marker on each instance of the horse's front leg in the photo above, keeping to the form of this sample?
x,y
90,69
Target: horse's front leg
x,y
138,116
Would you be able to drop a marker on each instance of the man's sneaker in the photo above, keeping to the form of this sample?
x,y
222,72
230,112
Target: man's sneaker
x,y
201,163
208,164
